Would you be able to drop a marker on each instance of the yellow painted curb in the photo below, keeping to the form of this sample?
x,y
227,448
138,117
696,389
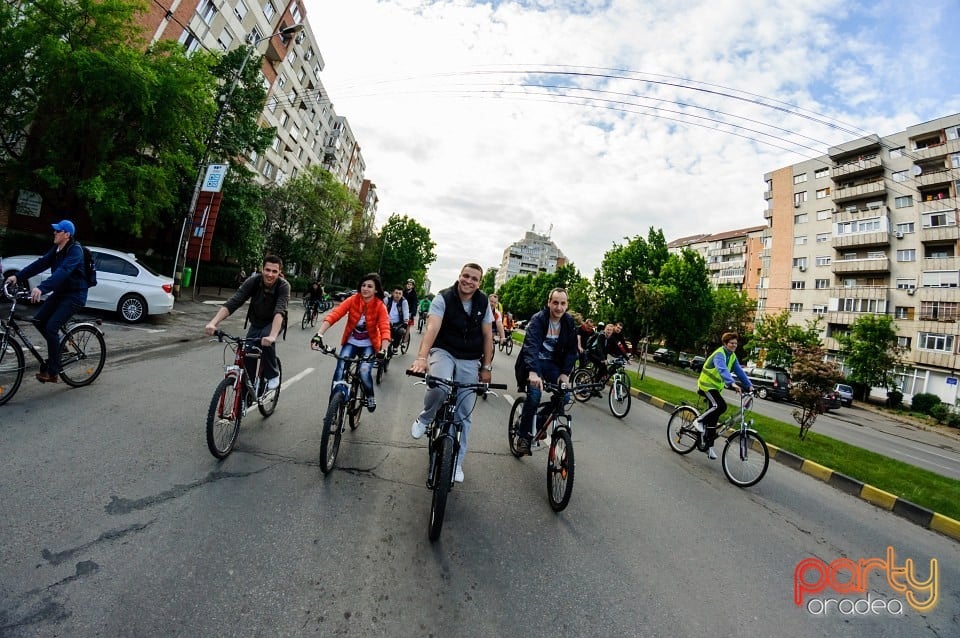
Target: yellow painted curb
x,y
657,402
817,471
945,525
879,498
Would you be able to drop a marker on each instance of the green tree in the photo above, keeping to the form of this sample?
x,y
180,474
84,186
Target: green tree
x,y
239,233
406,250
733,311
687,300
774,339
527,294
811,378
638,261
870,350
488,284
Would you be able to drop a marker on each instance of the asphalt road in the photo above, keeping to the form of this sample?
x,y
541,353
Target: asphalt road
x,y
116,521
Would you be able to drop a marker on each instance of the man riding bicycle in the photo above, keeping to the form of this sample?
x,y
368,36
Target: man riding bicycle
x,y
398,313
422,310
67,282
714,377
410,294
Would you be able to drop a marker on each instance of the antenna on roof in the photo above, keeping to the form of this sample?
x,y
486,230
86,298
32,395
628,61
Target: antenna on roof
x,y
550,232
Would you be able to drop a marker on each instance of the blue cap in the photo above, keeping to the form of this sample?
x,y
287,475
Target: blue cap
x,y
65,225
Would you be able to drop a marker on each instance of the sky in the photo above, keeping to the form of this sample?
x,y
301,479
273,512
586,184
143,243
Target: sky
x,y
595,120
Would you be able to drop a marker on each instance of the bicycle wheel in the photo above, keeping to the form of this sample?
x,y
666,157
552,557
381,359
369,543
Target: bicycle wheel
x,y
619,397
270,398
681,435
332,429
513,426
560,468
405,342
82,355
12,366
745,458
314,312
582,377
223,418
355,407
509,346
381,367
442,479
306,319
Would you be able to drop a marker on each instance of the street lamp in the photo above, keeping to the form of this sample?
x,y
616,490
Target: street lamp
x,y
251,43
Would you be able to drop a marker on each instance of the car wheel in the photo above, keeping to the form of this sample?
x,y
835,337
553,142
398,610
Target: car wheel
x,y
132,308
762,393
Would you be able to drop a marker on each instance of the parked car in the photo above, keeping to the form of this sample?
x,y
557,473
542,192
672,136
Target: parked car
x,y
696,363
770,383
341,295
124,285
846,394
831,400
665,355
683,359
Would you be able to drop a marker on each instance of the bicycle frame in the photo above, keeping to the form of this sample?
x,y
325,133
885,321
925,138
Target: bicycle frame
x,y
9,328
238,370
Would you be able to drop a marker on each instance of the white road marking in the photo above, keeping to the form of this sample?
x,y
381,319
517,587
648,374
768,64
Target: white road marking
x,y
289,382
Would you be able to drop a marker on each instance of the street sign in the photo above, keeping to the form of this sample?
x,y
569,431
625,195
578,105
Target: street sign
x,y
951,381
29,203
213,180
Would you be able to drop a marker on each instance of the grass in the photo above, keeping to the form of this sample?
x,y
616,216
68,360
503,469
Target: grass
x,y
919,486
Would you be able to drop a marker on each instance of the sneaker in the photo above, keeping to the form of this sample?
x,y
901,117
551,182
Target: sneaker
x,y
458,475
274,383
523,446
371,404
698,426
711,454
417,429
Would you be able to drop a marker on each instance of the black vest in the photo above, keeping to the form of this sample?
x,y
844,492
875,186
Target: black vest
x,y
461,334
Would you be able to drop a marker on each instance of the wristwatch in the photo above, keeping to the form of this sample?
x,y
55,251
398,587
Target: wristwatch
x,y
488,368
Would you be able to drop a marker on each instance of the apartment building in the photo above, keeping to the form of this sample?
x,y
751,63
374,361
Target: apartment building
x,y
532,255
732,257
871,227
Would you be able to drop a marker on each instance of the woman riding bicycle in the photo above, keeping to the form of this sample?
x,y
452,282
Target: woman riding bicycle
x,y
714,377
367,330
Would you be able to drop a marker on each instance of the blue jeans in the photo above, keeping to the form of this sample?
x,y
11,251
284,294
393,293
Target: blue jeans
x,y
55,312
366,377
549,371
443,365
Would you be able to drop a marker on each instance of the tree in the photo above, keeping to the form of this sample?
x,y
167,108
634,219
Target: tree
x,y
406,250
870,350
811,379
623,266
527,294
733,311
687,305
488,285
774,339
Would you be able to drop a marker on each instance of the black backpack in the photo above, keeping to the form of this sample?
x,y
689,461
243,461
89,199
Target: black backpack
x,y
90,267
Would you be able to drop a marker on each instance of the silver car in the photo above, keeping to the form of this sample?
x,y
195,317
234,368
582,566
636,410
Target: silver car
x,y
124,285
846,394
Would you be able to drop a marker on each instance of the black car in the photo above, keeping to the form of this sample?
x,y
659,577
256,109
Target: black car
x,y
665,355
770,383
696,363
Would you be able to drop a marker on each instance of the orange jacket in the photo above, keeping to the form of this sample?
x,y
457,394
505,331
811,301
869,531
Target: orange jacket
x,y
378,324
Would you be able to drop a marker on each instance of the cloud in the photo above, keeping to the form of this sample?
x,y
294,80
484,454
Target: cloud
x,y
604,118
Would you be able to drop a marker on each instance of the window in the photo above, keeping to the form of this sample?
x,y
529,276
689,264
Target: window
x,y
821,284
803,218
295,12
900,176
796,307
868,225
273,103
821,173
308,54
189,41
955,161
269,10
294,132
896,152
823,238
799,262
861,305
800,241
240,10
293,97
844,228
292,55
906,227
301,73
906,201
114,265
940,279
938,252
268,169
284,119
276,144
849,283
253,156
206,11
908,254
934,341
823,193
943,218
281,80
902,312
799,198
824,214
906,284
798,285
939,310
819,309
255,35
799,179
225,39
823,260
903,342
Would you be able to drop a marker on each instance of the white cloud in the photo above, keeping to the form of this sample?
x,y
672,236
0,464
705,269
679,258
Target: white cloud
x,y
434,93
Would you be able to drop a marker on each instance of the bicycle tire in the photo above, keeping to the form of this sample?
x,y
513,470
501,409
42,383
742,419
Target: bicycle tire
x,y
355,406
619,398
223,418
509,346
331,432
268,403
306,319
581,377
560,469
378,376
513,426
745,458
12,366
443,479
82,355
681,434
405,342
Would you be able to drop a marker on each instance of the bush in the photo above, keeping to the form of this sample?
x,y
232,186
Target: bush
x,y
953,419
894,399
924,402
940,413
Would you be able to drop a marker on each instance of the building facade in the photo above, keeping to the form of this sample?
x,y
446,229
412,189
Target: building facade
x,y
871,228
532,255
732,257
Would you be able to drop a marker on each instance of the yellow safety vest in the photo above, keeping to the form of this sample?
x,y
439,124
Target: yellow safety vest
x,y
710,378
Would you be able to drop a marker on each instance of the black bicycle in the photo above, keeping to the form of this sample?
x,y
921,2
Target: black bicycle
x,y
311,310
443,436
347,400
82,350
421,320
393,348
619,398
553,415
237,391
506,344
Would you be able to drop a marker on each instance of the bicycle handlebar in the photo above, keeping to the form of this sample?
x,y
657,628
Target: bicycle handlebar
x,y
455,385
332,352
17,293
245,343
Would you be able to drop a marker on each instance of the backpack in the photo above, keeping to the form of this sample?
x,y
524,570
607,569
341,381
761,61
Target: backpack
x,y
594,345
90,267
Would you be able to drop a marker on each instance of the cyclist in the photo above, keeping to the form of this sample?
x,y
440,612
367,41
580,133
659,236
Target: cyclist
x,y
507,325
599,346
398,313
585,331
410,294
714,377
459,344
367,330
67,282
315,297
423,309
549,353
269,294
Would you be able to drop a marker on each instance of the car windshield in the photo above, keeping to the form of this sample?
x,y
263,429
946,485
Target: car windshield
x,y
844,388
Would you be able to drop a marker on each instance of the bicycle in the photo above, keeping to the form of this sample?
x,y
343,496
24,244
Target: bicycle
x,y
443,436
506,344
552,415
311,309
236,392
421,321
619,398
745,455
392,349
82,351
347,399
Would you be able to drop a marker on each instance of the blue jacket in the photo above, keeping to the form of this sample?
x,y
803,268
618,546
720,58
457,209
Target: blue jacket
x,y
66,270
565,354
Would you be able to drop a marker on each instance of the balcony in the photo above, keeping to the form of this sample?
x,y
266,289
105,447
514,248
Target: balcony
x,y
856,266
943,263
850,240
768,195
939,175
859,191
936,205
938,150
940,233
858,166
935,358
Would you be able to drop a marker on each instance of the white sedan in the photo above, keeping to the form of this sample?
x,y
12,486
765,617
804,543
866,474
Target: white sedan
x,y
123,285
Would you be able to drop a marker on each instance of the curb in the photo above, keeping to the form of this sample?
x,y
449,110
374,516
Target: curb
x,y
885,500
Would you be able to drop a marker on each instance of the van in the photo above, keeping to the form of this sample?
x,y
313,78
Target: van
x,y
770,383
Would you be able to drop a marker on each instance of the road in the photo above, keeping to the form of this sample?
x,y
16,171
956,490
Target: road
x,y
116,521
855,425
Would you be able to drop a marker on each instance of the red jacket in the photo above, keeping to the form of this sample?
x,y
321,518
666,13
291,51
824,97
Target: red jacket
x,y
378,324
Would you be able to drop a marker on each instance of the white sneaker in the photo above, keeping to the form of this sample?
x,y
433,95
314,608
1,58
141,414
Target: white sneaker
x,y
698,426
417,429
458,475
711,454
274,383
